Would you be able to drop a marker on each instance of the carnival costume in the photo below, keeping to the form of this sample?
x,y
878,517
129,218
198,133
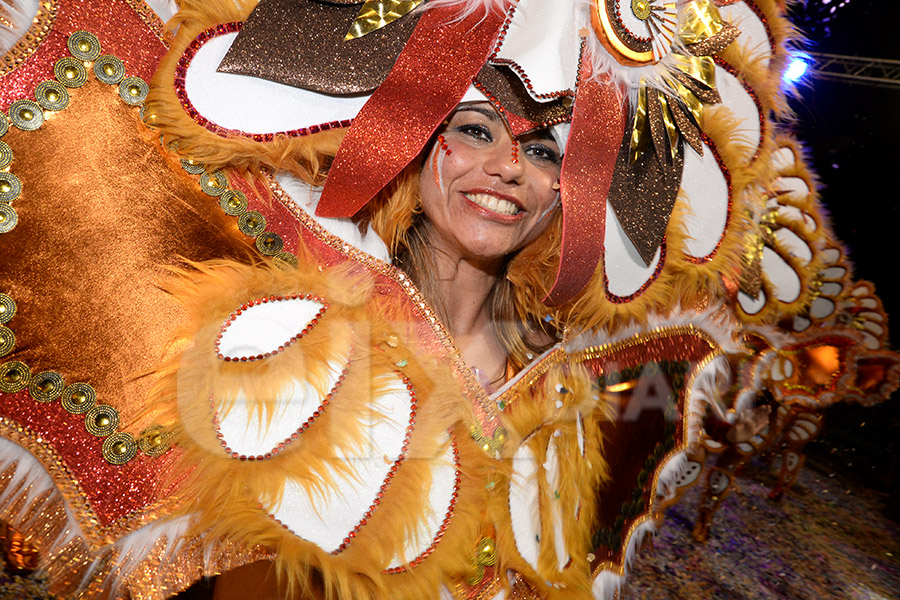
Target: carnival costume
x,y
208,363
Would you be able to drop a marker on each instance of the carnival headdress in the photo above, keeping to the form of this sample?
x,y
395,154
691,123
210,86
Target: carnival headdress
x,y
631,80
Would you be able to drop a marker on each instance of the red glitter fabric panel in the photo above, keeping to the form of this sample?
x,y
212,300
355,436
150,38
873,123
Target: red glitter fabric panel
x,y
127,488
119,28
676,347
598,122
432,73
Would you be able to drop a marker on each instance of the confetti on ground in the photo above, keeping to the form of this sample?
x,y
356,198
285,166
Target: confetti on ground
x,y
818,543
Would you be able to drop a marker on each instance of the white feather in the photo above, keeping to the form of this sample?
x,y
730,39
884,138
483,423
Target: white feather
x,y
670,473
608,585
17,18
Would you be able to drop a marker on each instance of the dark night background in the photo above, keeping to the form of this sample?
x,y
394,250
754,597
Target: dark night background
x,y
851,132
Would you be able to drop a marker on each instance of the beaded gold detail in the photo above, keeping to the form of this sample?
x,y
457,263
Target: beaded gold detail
x,y
252,223
52,95
154,440
7,308
192,167
233,202
78,398
491,444
109,69
286,259
133,90
101,420
10,187
70,72
26,115
4,124
83,45
213,184
8,218
269,244
7,340
6,155
14,377
119,448
46,386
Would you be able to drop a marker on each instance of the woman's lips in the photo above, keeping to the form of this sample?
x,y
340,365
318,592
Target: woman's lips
x,y
494,202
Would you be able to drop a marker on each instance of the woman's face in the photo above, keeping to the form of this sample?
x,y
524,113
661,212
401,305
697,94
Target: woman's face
x,y
484,195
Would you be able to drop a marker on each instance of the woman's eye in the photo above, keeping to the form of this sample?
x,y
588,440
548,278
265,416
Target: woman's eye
x,y
478,132
544,153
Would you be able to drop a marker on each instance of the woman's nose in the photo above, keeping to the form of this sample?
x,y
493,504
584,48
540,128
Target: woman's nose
x,y
505,160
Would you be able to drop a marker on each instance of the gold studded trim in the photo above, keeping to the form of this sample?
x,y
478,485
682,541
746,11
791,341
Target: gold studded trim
x,y
84,45
233,202
70,72
26,115
10,187
6,155
4,124
213,184
46,386
285,259
252,223
8,218
269,243
101,420
133,90
25,47
7,340
109,69
7,308
119,448
192,167
155,440
14,377
78,398
52,95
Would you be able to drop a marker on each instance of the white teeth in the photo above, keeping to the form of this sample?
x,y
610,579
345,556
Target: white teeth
x,y
497,205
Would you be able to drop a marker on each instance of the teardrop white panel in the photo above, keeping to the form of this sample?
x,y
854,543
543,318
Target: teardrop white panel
x,y
743,107
263,327
751,306
524,506
795,244
783,159
250,432
248,104
625,270
328,515
754,35
795,187
706,193
782,276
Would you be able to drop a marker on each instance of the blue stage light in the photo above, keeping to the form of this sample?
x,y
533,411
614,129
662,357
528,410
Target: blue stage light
x,y
797,68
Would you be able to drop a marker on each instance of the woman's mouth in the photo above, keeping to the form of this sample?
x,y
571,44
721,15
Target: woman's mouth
x,y
493,203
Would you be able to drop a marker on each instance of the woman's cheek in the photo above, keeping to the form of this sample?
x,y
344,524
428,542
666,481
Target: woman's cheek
x,y
439,152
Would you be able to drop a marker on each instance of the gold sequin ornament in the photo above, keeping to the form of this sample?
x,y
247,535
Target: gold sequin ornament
x,y
191,166
233,202
83,45
14,377
133,90
6,155
7,340
285,259
252,223
154,440
213,184
119,448
7,308
26,115
10,186
101,420
78,398
70,72
269,243
52,95
8,218
46,386
109,69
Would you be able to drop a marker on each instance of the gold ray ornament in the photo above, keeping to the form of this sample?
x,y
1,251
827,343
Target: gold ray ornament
x,y
375,14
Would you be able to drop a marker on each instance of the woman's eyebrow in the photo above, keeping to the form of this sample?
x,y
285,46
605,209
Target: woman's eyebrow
x,y
487,112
